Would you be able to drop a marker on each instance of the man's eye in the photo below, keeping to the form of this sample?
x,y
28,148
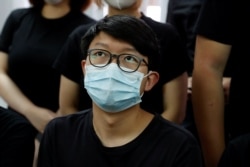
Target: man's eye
x,y
101,54
131,59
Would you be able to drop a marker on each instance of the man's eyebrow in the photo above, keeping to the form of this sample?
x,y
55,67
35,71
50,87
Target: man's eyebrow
x,y
125,49
101,44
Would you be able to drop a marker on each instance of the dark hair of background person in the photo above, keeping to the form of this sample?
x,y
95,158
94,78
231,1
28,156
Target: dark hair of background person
x,y
74,4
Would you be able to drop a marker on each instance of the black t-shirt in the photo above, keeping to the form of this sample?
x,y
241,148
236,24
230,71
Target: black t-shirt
x,y
225,21
33,43
237,153
183,15
174,62
72,141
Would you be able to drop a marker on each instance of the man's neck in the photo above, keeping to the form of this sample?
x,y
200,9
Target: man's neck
x,y
116,129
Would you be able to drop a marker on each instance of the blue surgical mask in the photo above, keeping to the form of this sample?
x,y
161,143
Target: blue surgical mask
x,y
112,89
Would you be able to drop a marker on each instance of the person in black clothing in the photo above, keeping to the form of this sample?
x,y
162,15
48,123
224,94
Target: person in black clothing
x,y
237,152
183,15
29,43
221,36
16,140
168,97
120,62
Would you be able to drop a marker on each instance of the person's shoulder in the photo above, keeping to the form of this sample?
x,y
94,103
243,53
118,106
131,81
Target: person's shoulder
x,y
177,131
63,121
84,28
160,28
153,23
79,31
20,12
17,15
80,17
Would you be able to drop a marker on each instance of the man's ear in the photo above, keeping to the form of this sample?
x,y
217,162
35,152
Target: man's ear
x,y
83,63
152,79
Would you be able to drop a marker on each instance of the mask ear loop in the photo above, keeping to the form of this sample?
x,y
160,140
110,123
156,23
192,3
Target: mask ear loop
x,y
150,72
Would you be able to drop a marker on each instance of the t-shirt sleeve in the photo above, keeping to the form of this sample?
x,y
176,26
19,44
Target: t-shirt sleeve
x,y
190,154
216,20
10,26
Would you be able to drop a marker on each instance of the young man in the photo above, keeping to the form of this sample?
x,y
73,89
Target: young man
x,y
169,94
121,59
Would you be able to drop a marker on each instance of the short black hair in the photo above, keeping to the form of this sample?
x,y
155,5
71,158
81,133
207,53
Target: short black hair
x,y
129,29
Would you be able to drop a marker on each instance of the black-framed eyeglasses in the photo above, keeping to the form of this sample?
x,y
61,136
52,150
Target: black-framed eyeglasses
x,y
126,62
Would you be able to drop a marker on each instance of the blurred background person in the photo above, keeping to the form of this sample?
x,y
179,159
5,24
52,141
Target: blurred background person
x,y
221,36
29,43
183,15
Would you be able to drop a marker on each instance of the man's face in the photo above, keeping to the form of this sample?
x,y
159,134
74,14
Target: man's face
x,y
106,42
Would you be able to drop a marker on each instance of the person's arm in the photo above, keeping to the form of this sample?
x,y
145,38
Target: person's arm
x,y
226,82
14,98
68,96
208,96
175,99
